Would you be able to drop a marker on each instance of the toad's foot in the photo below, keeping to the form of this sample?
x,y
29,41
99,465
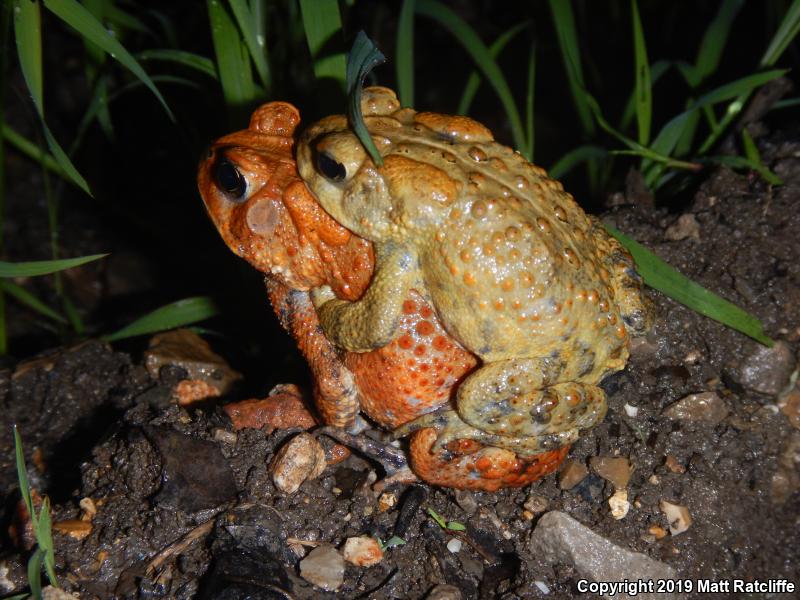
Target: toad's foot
x,y
393,460
451,428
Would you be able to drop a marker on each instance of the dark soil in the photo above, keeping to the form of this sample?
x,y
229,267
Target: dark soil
x,y
160,474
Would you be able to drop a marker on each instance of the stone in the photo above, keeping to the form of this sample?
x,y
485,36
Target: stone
x,y
466,500
184,349
362,551
767,370
75,528
558,538
617,470
300,459
706,406
789,404
619,505
444,592
686,226
323,567
786,479
678,516
535,503
282,409
673,465
454,545
571,474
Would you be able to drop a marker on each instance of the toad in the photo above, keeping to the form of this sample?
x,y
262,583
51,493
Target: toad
x,y
266,215
513,268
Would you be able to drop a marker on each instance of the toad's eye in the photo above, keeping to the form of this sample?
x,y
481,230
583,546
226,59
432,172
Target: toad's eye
x,y
331,169
229,179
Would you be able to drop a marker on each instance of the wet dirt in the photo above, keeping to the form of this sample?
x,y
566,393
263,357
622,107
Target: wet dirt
x,y
185,507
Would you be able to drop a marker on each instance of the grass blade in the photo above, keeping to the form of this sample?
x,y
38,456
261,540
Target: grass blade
x,y
480,54
745,85
32,151
745,162
35,573
474,81
575,157
323,23
44,267
25,297
665,278
363,57
80,19
181,57
714,40
564,21
177,314
644,90
256,43
28,35
404,53
657,69
233,62
787,31
45,541
22,477
529,102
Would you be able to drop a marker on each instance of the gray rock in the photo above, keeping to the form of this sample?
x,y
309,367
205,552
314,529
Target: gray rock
x,y
767,370
707,406
560,538
444,592
324,567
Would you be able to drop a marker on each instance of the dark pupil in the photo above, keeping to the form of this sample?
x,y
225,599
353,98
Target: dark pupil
x,y
331,169
229,179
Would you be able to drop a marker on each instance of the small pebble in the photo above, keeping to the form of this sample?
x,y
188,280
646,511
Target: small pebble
x,y
454,545
299,460
542,587
571,474
657,531
616,470
323,567
74,528
706,406
686,226
768,370
225,436
673,465
653,479
630,410
677,516
362,551
444,591
619,504
386,501
88,507
535,503
466,500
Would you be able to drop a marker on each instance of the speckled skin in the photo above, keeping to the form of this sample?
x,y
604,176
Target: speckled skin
x,y
279,228
517,273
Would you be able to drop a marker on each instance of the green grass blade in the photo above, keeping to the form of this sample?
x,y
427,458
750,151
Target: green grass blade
x,y
80,19
529,104
474,81
787,31
28,35
665,278
714,40
480,54
573,158
363,57
177,314
657,69
745,85
322,22
22,477
23,296
44,267
787,103
404,53
745,162
564,21
644,90
233,62
181,57
32,151
256,44
45,541
35,573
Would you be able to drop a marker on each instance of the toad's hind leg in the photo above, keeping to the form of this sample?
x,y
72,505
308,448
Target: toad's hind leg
x,y
634,306
515,403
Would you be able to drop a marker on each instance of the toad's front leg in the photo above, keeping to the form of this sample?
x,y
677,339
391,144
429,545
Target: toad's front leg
x,y
372,321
